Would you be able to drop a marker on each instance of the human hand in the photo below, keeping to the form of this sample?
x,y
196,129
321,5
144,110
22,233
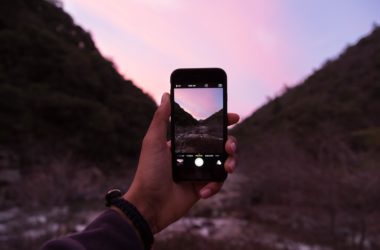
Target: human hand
x,y
158,198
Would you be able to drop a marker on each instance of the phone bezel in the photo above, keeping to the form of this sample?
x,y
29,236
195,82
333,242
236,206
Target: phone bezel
x,y
196,75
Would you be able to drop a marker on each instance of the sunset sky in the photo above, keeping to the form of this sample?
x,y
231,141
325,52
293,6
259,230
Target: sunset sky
x,y
262,45
199,102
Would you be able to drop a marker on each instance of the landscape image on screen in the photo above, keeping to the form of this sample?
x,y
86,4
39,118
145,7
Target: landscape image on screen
x,y
198,115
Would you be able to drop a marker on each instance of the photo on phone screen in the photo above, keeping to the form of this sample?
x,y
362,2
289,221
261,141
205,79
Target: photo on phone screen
x,y
199,120
198,124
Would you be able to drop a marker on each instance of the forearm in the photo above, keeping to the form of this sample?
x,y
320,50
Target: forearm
x,y
109,231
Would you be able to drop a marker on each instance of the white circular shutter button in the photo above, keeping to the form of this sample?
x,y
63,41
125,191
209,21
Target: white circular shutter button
x,y
199,162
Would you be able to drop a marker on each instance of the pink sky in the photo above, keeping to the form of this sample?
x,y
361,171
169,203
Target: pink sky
x,y
199,102
262,45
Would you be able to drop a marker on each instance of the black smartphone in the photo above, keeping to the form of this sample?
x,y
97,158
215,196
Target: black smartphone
x,y
198,124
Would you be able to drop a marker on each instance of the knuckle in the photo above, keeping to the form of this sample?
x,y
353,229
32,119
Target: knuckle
x,y
232,138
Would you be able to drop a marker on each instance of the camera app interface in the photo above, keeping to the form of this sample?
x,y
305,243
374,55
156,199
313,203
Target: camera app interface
x,y
198,124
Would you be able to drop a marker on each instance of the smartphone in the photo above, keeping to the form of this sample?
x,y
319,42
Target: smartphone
x,y
198,124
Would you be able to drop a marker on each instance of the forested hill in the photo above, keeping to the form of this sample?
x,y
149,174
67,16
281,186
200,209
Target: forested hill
x,y
312,154
58,95
334,111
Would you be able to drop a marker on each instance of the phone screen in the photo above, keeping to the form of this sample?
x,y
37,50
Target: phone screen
x,y
198,117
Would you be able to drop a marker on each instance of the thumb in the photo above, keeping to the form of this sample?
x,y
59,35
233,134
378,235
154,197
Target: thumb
x,y
159,125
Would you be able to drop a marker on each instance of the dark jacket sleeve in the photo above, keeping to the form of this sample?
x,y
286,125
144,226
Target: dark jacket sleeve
x,y
108,231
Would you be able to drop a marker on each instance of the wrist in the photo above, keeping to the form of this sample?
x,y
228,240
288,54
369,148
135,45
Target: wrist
x,y
118,210
144,207
117,202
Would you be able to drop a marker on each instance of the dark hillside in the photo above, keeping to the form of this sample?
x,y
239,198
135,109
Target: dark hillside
x,y
217,117
341,101
182,117
344,94
70,124
313,153
58,95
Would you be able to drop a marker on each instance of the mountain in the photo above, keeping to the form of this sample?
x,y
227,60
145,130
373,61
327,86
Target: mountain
x,y
58,95
340,101
182,117
311,155
216,118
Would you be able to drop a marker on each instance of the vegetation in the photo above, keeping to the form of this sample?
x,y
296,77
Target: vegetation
x,y
309,159
58,95
314,152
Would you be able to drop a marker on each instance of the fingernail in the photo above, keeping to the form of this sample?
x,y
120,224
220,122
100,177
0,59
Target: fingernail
x,y
233,146
205,192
